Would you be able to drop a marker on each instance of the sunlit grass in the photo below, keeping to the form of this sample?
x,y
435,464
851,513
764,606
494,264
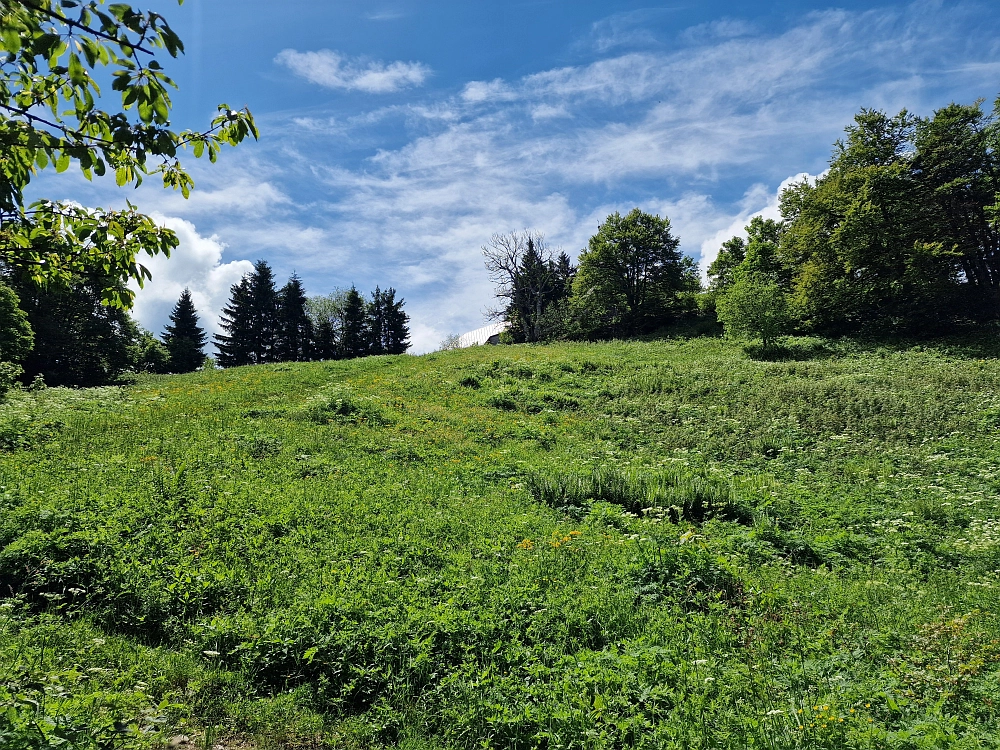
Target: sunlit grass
x,y
645,544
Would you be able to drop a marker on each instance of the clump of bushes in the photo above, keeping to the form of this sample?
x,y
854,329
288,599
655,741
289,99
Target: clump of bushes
x,y
692,576
339,405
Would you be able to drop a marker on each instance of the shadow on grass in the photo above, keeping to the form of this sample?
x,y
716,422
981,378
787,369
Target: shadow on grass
x,y
791,350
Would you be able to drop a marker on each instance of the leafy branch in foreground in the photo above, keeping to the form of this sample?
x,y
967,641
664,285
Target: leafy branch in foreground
x,y
49,116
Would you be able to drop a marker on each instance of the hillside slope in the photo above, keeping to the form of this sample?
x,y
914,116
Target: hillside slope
x,y
649,545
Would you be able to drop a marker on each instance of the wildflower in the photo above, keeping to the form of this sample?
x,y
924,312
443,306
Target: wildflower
x,y
526,544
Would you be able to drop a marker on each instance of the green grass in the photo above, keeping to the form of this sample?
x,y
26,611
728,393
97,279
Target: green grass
x,y
658,544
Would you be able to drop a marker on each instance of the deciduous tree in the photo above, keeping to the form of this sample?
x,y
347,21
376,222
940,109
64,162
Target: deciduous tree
x,y
50,117
632,272
528,278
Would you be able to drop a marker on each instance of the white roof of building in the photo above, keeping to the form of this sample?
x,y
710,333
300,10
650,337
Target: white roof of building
x,y
482,335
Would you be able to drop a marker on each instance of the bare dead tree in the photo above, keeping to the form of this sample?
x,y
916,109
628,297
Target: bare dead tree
x,y
526,277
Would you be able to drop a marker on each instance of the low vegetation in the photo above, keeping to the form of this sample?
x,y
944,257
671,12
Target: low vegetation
x,y
649,544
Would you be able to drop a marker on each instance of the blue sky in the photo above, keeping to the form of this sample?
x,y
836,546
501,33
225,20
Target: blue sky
x,y
398,136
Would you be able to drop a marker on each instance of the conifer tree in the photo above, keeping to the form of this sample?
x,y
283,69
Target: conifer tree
x,y
395,331
324,341
236,344
354,336
183,337
263,302
376,323
295,329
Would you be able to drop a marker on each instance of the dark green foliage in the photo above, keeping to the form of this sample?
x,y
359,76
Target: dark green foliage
x,y
16,336
235,345
533,283
293,327
149,354
325,344
354,335
250,320
722,271
294,339
955,160
386,327
262,299
897,235
78,340
631,275
184,338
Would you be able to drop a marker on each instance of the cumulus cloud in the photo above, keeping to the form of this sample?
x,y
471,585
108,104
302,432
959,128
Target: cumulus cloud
x,y
197,265
336,71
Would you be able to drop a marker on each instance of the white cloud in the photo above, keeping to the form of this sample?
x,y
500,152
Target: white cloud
x,y
702,131
195,264
488,91
550,149
336,71
386,15
718,226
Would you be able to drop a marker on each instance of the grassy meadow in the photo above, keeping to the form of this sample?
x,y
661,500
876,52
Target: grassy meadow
x,y
662,544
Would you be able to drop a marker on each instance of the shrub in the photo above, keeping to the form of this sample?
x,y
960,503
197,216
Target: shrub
x,y
756,308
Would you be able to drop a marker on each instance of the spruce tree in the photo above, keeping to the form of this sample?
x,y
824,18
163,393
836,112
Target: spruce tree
x,y
324,342
236,345
376,323
354,336
295,329
395,331
183,337
263,302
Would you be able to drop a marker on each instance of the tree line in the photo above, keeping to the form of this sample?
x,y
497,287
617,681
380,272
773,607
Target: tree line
x,y
901,235
264,324
66,333
631,278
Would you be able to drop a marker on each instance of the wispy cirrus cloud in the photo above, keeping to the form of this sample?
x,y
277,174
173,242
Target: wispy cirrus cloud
x,y
337,71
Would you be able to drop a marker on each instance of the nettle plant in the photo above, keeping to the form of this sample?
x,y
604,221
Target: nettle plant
x,y
50,116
